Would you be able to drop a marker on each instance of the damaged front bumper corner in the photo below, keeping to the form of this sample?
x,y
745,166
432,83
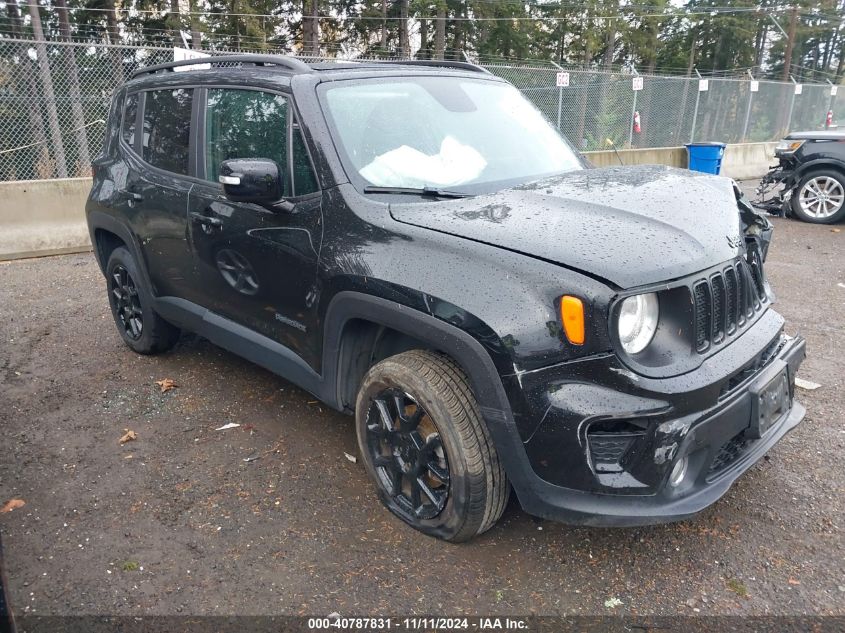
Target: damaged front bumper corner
x,y
609,443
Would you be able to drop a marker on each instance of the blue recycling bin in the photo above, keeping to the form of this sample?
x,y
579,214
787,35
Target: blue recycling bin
x,y
706,157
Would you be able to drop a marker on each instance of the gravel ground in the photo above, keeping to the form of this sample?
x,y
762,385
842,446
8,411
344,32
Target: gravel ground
x,y
180,522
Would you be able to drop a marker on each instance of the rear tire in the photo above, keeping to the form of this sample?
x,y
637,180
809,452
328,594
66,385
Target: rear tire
x,y
426,447
819,197
131,306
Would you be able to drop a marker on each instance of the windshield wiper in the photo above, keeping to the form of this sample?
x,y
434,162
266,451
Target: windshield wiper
x,y
418,191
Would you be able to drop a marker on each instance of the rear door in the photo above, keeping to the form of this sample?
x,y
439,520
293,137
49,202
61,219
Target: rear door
x,y
160,193
257,266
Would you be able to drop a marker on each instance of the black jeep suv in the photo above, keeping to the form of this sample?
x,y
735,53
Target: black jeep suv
x,y
415,244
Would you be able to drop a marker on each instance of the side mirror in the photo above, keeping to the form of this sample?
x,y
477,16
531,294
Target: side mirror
x,y
255,180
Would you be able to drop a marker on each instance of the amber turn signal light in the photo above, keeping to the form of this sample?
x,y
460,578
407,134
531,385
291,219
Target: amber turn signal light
x,y
572,316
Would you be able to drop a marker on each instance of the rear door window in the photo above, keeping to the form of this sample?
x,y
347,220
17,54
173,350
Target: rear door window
x,y
167,129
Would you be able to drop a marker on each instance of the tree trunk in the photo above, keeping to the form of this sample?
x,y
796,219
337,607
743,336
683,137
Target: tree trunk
x,y
609,45
113,38
440,31
28,89
404,40
196,34
790,43
424,52
174,23
83,157
459,39
49,93
311,28
383,26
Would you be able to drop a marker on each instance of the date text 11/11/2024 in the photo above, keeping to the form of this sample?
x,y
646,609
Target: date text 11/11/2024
x,y
417,623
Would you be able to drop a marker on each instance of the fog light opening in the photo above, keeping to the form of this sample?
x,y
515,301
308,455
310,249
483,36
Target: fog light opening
x,y
679,471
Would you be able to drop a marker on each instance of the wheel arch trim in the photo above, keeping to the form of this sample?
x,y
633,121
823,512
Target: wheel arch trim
x,y
97,220
819,164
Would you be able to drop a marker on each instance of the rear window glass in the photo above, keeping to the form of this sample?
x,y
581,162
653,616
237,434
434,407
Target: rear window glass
x,y
167,129
130,110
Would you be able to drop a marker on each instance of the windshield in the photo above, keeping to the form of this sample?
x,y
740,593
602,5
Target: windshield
x,y
443,132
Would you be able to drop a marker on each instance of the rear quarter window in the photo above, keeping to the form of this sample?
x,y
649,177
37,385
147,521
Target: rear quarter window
x,y
130,112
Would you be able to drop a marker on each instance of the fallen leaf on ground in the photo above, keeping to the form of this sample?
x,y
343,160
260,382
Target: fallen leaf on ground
x,y
231,425
792,581
166,384
128,436
612,603
806,384
351,458
11,504
835,230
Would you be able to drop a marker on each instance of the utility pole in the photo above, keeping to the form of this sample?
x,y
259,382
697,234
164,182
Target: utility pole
x,y
790,42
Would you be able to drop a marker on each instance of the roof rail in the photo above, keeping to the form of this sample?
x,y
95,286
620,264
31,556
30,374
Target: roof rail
x,y
295,65
438,63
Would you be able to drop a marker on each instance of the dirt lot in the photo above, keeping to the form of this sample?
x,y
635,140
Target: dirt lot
x,y
181,521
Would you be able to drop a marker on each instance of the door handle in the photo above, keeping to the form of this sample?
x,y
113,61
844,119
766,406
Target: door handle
x,y
204,219
136,197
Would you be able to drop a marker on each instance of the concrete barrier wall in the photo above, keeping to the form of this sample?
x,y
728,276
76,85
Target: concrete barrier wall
x,y
45,217
742,161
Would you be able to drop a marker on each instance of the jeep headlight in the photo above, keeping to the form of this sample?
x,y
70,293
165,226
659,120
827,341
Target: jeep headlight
x,y
638,321
788,146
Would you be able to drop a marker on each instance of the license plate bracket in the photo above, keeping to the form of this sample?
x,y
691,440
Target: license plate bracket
x,y
770,401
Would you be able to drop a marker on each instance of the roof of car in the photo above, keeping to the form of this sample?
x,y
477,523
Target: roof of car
x,y
821,135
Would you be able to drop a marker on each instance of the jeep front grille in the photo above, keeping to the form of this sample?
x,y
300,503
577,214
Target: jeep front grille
x,y
727,300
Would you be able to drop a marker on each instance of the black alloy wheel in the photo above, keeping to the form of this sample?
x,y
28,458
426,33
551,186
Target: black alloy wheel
x,y
126,304
140,326
407,453
427,448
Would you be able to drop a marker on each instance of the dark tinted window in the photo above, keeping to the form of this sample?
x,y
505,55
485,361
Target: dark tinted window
x,y
130,110
245,124
167,126
303,177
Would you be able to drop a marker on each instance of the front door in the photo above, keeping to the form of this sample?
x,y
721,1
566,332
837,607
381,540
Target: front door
x,y
257,266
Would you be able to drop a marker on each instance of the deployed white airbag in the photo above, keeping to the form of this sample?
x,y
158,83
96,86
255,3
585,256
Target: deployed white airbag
x,y
408,167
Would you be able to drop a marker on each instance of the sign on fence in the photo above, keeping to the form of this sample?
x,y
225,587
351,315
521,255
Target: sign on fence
x,y
799,89
562,80
833,91
637,83
703,85
180,54
755,85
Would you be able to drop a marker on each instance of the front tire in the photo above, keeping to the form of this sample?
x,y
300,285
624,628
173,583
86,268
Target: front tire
x,y
820,197
140,327
426,447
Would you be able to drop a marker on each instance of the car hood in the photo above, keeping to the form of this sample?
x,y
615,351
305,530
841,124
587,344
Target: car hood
x,y
630,226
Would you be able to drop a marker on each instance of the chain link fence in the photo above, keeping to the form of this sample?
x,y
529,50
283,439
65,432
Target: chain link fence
x,y
54,99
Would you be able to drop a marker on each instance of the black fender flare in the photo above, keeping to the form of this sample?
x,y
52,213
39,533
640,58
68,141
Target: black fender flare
x,y
824,163
97,220
440,335
468,352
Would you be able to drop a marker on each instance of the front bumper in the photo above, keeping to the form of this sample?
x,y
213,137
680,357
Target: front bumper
x,y
705,416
